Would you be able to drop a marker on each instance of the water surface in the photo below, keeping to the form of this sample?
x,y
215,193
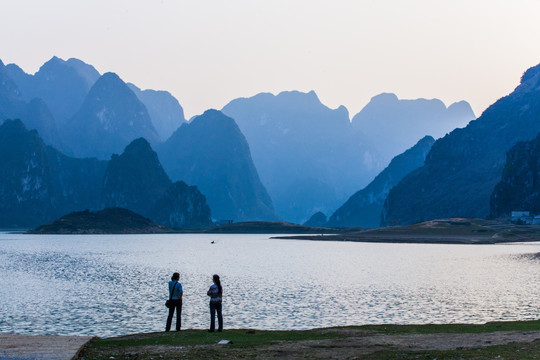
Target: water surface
x,y
109,285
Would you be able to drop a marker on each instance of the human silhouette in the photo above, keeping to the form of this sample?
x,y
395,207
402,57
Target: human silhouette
x,y
175,295
215,292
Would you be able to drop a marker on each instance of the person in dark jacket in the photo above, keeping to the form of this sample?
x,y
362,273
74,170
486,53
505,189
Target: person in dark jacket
x,y
175,294
215,292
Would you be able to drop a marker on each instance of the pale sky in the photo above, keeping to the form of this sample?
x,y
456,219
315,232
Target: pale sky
x,y
208,52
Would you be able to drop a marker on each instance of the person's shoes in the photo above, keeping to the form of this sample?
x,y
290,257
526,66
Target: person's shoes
x,y
221,330
210,330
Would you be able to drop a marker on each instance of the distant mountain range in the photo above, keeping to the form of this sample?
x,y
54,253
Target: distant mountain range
x,y
135,180
75,98
101,114
110,117
365,206
308,156
35,112
395,125
39,184
62,85
266,157
165,111
210,151
311,158
462,169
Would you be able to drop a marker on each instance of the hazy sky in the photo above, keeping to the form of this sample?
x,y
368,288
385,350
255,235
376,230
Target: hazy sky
x,y
208,52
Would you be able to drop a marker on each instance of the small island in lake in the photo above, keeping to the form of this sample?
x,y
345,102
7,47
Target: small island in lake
x,y
107,221
122,221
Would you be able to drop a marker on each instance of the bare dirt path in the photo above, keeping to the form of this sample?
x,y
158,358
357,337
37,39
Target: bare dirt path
x,y
19,347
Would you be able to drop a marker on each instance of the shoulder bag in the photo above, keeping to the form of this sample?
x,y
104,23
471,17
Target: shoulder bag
x,y
168,303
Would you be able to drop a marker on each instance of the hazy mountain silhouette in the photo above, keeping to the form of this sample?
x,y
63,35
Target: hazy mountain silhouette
x,y
34,114
135,180
211,152
38,183
62,85
317,220
182,206
463,168
519,187
365,206
10,96
110,118
395,125
308,156
165,111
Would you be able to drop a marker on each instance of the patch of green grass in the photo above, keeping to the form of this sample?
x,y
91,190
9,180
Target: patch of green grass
x,y
243,337
239,338
247,344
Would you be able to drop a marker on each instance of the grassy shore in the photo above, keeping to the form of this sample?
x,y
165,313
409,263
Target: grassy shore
x,y
440,231
497,340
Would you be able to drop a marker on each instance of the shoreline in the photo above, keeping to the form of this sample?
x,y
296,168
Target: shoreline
x,y
370,341
441,231
466,231
511,339
410,239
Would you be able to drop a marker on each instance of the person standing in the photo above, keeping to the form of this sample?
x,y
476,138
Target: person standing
x,y
215,292
175,294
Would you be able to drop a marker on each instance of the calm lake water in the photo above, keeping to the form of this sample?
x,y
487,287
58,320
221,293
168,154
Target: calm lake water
x,y
117,284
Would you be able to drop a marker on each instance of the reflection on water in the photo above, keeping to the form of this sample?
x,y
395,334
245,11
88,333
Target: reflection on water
x,y
112,285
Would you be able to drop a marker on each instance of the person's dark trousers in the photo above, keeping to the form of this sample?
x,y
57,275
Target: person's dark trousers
x,y
176,304
216,307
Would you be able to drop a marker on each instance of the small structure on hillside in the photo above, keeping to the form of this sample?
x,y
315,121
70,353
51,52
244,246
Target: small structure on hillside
x,y
224,222
522,217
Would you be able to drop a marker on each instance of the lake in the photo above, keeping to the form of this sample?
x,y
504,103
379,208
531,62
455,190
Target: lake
x,y
108,285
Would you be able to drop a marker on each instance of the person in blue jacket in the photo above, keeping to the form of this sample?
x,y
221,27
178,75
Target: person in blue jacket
x,y
215,292
175,294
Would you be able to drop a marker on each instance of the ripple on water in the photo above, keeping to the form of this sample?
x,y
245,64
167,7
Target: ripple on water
x,y
112,285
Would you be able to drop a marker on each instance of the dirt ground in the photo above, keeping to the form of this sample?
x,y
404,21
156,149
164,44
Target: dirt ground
x,y
355,344
27,347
